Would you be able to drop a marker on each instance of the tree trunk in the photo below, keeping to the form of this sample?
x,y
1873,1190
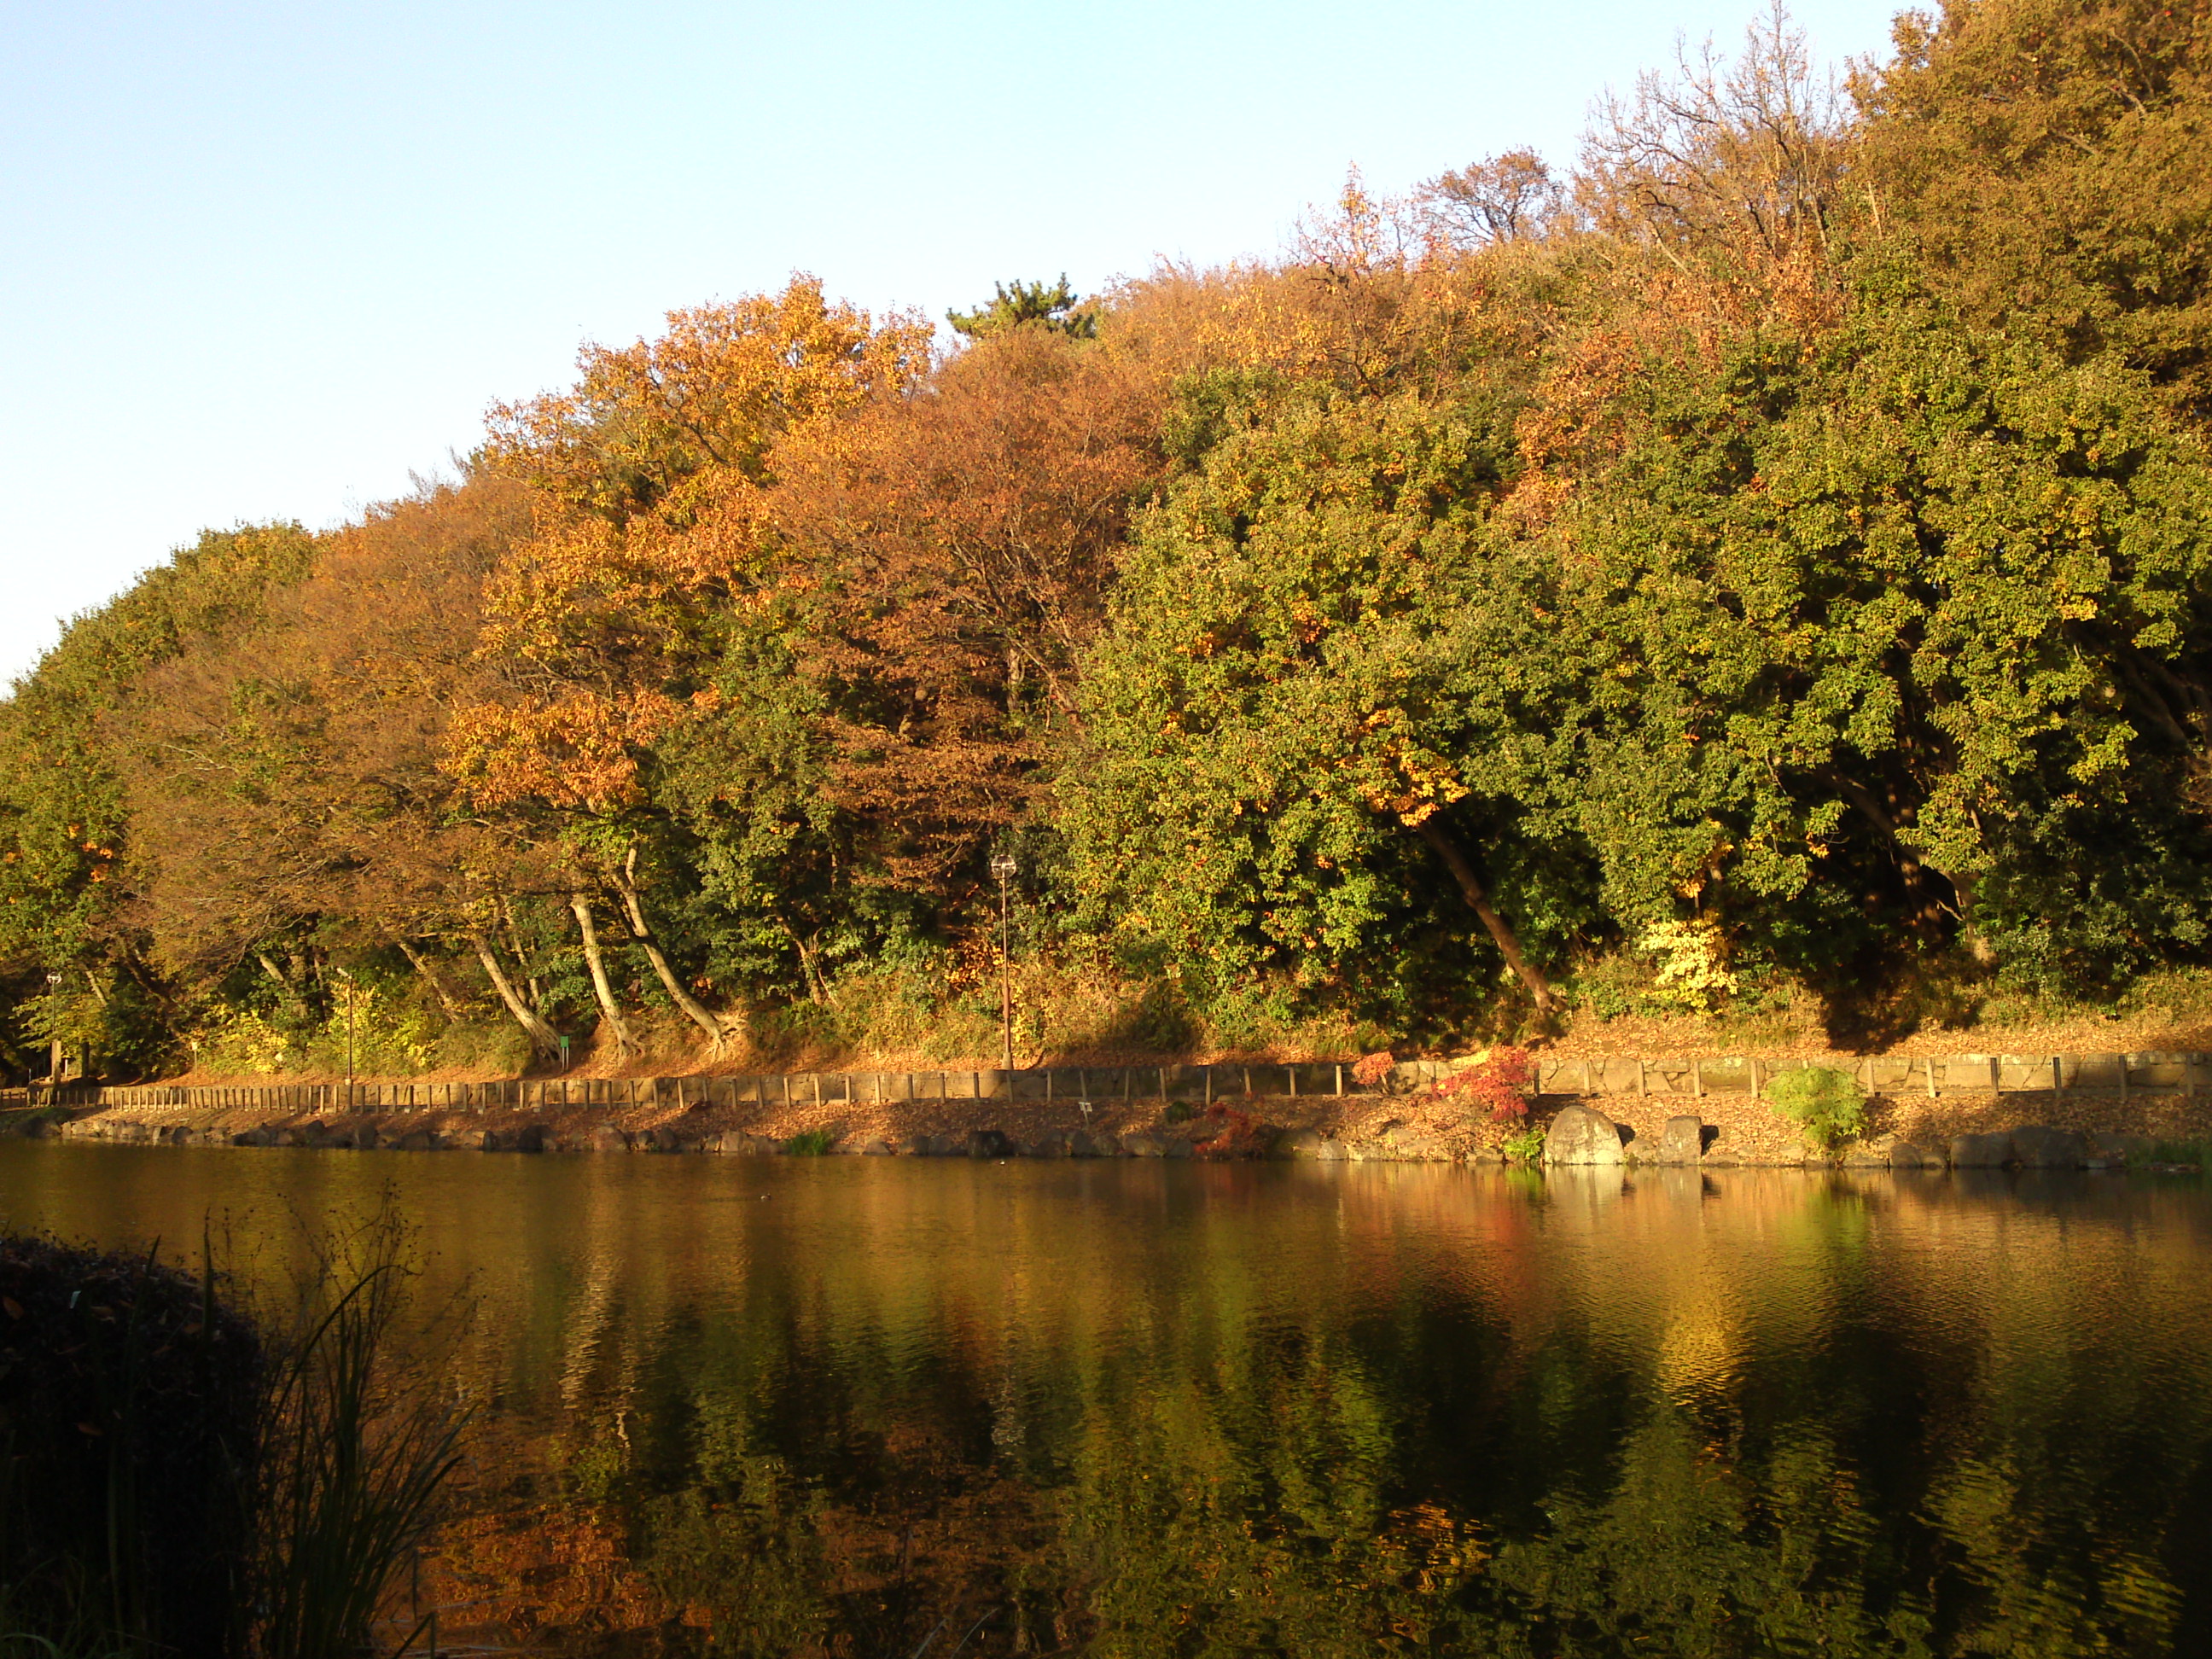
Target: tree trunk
x,y
593,959
543,1037
693,1010
287,978
1501,935
522,956
1913,861
816,991
430,978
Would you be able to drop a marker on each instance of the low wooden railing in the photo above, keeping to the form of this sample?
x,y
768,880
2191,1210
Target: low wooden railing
x,y
2148,1072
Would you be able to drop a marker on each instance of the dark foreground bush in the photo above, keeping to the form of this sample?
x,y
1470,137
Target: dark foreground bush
x,y
178,1477
131,1403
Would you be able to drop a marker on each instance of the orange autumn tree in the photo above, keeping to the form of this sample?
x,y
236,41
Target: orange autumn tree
x,y
951,552
604,624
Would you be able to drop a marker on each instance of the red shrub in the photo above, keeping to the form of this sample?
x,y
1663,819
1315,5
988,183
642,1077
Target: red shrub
x,y
1370,1069
1238,1136
1500,1083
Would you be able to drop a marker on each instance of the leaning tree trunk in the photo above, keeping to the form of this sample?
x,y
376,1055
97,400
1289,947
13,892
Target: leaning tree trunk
x,y
429,977
624,1042
1463,873
543,1037
288,986
697,1012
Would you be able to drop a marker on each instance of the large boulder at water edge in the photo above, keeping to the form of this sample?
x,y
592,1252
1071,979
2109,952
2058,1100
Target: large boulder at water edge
x,y
2039,1146
744,1143
1981,1151
1683,1141
1906,1154
1581,1134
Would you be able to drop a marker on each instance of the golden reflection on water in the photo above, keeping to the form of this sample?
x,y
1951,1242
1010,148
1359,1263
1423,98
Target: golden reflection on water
x,y
794,1405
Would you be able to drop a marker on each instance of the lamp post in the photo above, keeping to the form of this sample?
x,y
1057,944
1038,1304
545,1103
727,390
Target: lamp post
x,y
54,1049
1002,866
346,978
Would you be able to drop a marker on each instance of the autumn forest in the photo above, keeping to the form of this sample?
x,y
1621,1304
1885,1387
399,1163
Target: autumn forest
x,y
1764,559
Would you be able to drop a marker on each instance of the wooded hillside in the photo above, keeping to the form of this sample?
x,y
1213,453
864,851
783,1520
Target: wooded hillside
x,y
1768,560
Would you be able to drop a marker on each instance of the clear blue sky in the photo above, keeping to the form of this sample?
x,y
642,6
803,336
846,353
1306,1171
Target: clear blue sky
x,y
259,261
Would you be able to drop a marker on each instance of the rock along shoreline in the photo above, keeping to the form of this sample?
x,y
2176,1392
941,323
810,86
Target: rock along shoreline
x,y
1346,1129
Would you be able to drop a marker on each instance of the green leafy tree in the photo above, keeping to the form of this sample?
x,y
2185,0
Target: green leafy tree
x,y
67,876
1890,613
1320,732
1059,309
2052,159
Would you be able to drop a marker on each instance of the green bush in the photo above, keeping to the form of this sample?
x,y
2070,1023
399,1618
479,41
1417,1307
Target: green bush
x,y
2198,1152
1828,1105
1525,1146
811,1143
1180,1111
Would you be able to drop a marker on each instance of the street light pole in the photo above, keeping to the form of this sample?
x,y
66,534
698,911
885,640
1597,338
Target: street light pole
x,y
1002,866
346,979
54,1049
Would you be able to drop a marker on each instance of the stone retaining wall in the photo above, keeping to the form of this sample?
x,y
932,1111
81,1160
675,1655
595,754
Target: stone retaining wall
x,y
1583,1134
2151,1071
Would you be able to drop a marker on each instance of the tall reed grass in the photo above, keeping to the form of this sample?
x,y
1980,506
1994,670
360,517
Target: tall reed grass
x,y
358,1445
181,1476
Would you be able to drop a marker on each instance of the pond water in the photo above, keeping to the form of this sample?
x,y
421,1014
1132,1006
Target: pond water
x,y
854,1406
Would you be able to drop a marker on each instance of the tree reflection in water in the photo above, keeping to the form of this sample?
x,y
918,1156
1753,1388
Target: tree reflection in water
x,y
832,1407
